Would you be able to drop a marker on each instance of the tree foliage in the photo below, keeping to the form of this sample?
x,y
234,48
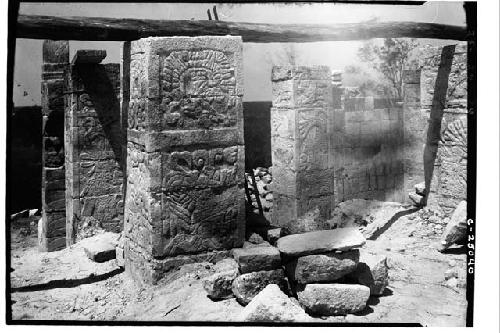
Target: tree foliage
x,y
390,59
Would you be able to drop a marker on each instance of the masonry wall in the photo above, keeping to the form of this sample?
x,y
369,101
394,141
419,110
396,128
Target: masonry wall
x,y
185,151
52,228
449,183
93,150
371,165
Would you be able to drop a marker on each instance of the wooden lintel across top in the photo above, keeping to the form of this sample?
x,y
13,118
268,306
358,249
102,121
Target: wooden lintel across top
x,y
125,29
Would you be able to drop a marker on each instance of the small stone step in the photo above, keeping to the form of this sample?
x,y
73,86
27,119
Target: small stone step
x,y
323,267
320,242
333,299
258,258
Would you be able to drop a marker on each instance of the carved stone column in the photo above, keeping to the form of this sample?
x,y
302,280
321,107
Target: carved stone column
x,y
185,152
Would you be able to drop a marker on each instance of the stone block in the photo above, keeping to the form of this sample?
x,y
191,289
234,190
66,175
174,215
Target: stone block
x,y
324,267
247,286
333,299
373,272
272,305
320,241
218,285
262,258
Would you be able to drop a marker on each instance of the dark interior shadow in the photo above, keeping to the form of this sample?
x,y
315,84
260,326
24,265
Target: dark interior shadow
x,y
68,283
391,222
102,94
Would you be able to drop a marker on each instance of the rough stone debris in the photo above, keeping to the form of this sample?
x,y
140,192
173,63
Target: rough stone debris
x,y
259,258
247,286
101,246
184,92
333,299
323,267
272,305
456,229
218,285
320,241
372,271
370,215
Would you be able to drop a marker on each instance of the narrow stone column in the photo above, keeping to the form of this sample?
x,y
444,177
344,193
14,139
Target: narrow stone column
x,y
185,152
94,197
301,131
414,124
52,228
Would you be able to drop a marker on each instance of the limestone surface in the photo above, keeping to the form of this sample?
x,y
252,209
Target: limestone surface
x,y
321,241
456,230
259,258
322,267
373,272
272,305
218,285
333,299
247,286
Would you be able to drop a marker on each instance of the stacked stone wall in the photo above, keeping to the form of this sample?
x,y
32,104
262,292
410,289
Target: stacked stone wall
x,y
185,151
94,195
52,228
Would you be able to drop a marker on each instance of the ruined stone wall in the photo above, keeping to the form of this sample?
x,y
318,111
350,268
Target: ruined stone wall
x,y
52,228
301,134
185,151
93,162
449,183
371,166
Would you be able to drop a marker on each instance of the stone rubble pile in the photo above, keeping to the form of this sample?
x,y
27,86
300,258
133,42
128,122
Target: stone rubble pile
x,y
320,273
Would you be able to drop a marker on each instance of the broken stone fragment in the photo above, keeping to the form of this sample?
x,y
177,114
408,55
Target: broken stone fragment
x,y
373,272
255,238
420,188
247,286
102,247
320,242
417,199
272,305
456,230
333,299
218,285
274,234
322,267
259,258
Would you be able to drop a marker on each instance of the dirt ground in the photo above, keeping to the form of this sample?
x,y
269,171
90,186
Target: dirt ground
x,y
425,287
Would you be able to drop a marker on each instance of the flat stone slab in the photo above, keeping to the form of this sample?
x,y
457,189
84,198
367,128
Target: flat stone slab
x,y
333,299
247,286
272,305
101,247
322,267
373,272
320,242
259,258
218,285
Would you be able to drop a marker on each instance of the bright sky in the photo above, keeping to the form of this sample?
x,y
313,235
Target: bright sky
x,y
257,67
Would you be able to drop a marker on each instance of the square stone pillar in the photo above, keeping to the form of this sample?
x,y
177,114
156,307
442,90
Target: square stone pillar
x,y
185,152
52,228
94,193
301,139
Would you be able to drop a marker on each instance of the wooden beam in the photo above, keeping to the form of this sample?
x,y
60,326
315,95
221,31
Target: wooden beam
x,y
126,29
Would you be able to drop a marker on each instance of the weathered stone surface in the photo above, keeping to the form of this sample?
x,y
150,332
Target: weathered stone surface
x,y
420,188
274,234
255,238
248,245
218,285
247,286
370,215
321,241
260,258
456,229
185,150
322,267
333,299
272,305
373,272
101,248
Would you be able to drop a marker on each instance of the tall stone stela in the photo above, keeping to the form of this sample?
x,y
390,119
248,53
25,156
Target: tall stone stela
x,y
52,226
301,133
185,151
